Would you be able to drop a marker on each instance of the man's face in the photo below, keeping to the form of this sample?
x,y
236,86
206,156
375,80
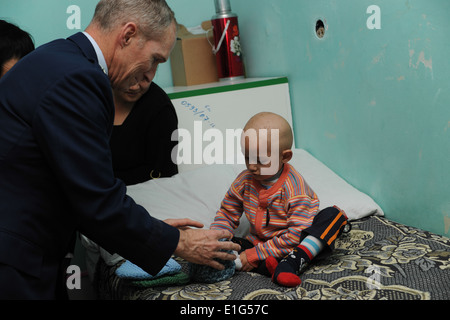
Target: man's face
x,y
135,65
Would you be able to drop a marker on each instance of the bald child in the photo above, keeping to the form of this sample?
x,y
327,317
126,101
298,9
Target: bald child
x,y
286,228
275,198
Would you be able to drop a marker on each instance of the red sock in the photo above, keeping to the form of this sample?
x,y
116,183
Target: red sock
x,y
288,279
286,272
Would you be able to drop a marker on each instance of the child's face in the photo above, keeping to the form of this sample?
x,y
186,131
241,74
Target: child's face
x,y
261,151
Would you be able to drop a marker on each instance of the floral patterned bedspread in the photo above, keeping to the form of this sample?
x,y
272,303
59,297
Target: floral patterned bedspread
x,y
377,260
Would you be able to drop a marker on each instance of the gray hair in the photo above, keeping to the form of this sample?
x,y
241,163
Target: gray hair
x,y
152,17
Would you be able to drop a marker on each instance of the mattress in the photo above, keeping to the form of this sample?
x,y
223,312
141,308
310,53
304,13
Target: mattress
x,y
378,259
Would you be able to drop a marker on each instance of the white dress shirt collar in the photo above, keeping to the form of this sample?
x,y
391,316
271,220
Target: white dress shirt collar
x,y
98,51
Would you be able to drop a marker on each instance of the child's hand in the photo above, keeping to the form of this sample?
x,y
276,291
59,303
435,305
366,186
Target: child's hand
x,y
246,266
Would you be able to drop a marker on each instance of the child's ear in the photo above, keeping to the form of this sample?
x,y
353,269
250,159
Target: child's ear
x,y
286,156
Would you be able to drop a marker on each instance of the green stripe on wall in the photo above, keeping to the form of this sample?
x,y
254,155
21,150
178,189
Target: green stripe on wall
x,y
227,88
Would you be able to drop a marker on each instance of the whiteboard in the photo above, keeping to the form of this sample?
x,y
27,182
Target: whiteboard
x,y
211,112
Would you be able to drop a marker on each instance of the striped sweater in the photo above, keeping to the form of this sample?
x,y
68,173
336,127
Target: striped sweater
x,y
277,215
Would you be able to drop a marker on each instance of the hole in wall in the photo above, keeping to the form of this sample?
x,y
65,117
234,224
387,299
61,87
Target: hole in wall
x,y
320,29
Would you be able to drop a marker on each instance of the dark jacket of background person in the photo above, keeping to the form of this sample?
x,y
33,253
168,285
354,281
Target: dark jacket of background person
x,y
142,145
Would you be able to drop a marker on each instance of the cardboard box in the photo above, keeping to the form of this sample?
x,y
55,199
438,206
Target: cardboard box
x,y
192,60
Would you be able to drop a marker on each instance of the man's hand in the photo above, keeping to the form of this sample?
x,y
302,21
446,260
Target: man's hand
x,y
183,223
203,246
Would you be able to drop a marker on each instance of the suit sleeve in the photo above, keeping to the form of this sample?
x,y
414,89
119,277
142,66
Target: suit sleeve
x,y
72,127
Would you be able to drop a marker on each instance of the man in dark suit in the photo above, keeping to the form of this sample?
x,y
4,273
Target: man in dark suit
x,y
56,176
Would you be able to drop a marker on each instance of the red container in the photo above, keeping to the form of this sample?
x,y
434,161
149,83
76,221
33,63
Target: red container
x,y
227,45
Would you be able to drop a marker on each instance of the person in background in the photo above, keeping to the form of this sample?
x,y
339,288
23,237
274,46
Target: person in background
x,y
141,143
56,176
14,45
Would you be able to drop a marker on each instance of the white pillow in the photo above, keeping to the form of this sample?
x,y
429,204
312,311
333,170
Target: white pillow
x,y
197,194
332,189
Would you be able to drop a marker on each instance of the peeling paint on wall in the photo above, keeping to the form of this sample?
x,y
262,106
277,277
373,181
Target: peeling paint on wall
x,y
427,63
379,57
416,59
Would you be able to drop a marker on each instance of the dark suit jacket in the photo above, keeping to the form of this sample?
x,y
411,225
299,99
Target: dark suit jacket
x,y
56,176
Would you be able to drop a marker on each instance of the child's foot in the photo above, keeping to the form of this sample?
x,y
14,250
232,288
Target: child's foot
x,y
286,272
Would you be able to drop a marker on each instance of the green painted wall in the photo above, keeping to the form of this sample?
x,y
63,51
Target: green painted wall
x,y
372,104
